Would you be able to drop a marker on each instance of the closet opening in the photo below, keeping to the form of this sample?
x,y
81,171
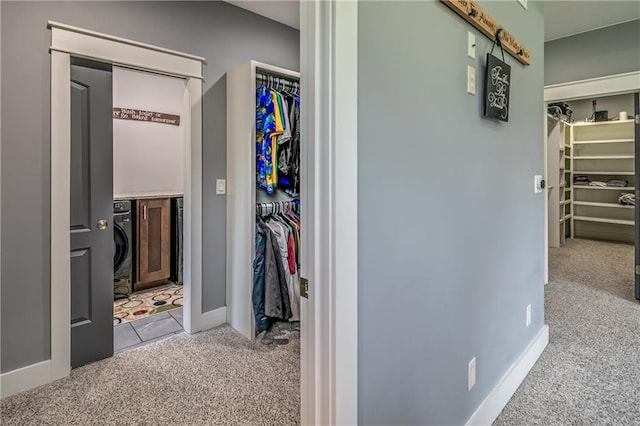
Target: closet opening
x,y
264,173
591,187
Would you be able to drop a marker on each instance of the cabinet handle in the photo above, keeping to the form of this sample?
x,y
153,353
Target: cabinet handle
x,y
144,212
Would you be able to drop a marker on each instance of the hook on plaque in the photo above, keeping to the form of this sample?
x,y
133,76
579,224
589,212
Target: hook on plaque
x,y
498,42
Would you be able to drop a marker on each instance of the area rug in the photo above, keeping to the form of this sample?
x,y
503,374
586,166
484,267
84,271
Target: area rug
x,y
144,304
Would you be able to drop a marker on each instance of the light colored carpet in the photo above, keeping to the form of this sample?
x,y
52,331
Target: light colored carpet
x,y
210,378
590,372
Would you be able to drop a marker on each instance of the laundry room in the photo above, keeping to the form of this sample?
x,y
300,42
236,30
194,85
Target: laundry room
x,y
148,182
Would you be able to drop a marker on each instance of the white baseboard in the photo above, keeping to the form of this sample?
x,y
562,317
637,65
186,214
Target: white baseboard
x,y
213,318
25,378
492,406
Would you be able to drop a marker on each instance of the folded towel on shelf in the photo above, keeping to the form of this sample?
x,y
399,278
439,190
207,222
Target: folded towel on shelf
x,y
597,183
627,199
581,180
618,183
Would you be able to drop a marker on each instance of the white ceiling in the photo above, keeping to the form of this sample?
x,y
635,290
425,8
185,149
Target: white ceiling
x,y
562,18
284,11
566,18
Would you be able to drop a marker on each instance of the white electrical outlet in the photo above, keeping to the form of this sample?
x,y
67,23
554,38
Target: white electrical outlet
x,y
472,373
471,45
528,314
221,186
471,80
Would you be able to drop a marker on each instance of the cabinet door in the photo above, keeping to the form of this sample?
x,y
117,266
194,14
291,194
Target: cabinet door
x,y
153,242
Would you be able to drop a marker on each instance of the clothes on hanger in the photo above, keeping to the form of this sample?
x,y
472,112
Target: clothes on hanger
x,y
276,278
257,297
277,140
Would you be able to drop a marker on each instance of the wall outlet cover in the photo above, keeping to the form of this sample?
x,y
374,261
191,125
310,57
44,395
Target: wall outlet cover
x,y
471,372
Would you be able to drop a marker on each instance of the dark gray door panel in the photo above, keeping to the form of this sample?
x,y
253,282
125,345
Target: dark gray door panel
x,y
91,202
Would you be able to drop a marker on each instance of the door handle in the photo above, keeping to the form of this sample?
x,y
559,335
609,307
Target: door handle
x,y
144,212
102,224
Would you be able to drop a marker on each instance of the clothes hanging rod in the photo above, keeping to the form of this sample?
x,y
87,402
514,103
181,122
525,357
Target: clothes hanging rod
x,y
265,209
274,81
262,75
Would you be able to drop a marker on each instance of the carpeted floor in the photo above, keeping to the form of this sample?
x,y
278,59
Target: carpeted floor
x,y
211,378
588,375
590,372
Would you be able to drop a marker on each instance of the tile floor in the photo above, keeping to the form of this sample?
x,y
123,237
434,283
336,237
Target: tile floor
x,y
140,332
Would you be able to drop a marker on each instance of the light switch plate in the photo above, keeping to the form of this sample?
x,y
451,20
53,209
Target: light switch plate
x,y
221,186
471,80
471,45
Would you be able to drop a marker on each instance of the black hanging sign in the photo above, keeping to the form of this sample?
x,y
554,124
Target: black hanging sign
x,y
496,103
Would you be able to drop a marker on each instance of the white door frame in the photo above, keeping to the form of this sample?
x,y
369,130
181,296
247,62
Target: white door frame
x,y
68,41
609,85
329,198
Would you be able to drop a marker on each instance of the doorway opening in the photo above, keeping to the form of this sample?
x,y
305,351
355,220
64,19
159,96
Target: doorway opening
x,y
67,42
148,178
591,170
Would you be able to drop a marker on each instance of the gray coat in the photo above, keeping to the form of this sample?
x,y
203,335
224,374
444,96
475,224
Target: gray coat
x,y
276,295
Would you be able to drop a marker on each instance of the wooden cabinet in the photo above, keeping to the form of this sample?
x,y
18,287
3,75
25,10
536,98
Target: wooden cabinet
x,y
153,252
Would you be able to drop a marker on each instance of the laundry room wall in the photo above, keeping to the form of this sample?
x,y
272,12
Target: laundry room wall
x,y
607,51
225,35
148,157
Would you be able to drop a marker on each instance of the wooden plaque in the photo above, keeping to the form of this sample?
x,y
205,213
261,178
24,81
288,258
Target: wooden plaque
x,y
142,115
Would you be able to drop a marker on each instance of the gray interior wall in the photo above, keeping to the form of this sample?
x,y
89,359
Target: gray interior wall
x,y
583,109
607,51
225,35
451,234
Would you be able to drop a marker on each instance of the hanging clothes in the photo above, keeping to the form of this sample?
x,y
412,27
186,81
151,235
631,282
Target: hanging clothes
x,y
289,151
262,322
265,126
277,140
276,277
281,232
276,293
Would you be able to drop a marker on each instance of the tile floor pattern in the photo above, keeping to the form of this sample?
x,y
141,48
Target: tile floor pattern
x,y
150,329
